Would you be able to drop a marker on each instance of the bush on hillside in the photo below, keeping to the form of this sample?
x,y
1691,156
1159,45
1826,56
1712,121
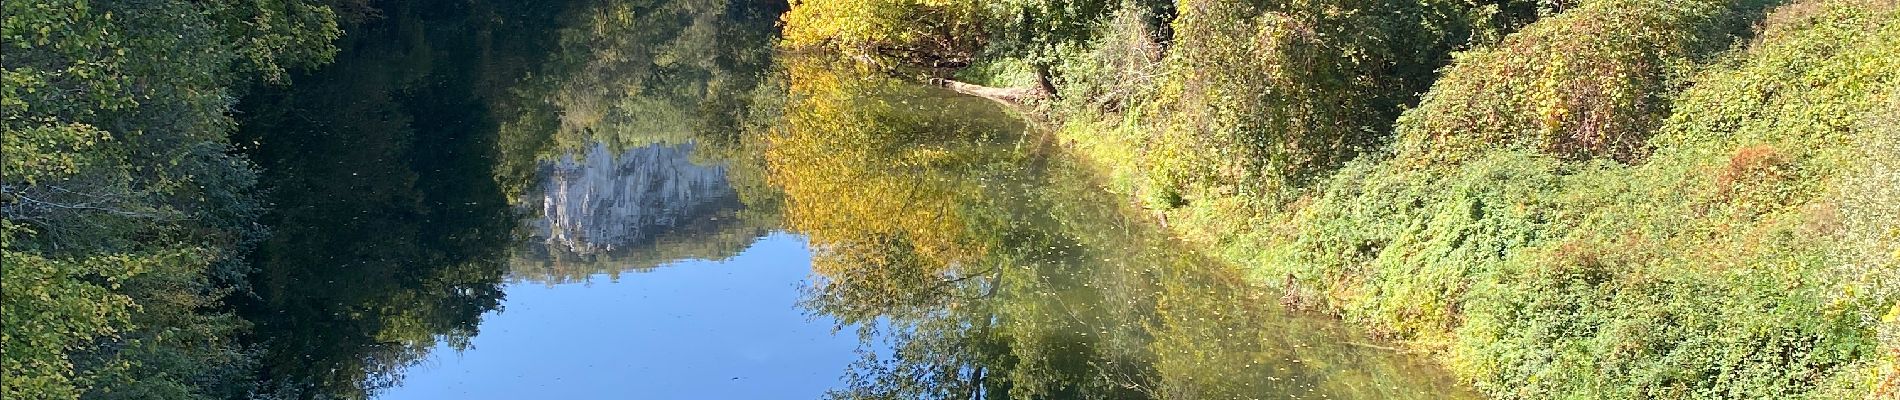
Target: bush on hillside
x,y
1593,81
1399,248
1120,68
1270,94
1870,247
1741,260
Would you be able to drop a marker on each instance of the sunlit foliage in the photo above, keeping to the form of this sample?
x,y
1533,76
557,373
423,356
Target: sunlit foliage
x,y
1283,91
915,31
1251,100
1593,81
1624,199
1709,271
943,36
1869,248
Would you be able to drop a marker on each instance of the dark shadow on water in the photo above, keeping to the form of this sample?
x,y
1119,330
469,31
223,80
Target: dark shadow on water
x,y
389,230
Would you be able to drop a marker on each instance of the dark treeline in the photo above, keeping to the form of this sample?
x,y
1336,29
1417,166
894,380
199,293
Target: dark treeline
x,y
125,209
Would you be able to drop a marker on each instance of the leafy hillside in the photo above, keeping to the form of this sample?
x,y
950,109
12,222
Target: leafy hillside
x,y
1590,199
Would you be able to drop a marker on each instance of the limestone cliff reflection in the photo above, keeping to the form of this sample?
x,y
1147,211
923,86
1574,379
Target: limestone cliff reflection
x,y
604,212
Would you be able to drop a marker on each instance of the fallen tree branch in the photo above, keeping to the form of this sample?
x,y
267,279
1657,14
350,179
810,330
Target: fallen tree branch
x,y
1014,96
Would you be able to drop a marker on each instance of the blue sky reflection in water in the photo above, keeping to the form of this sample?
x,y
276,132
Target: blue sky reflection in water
x,y
690,329
445,229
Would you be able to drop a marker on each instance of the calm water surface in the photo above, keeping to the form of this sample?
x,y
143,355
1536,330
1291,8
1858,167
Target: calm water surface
x,y
637,199
688,329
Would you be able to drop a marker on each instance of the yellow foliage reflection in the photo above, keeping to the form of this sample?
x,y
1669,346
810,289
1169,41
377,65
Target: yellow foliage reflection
x,y
995,269
873,173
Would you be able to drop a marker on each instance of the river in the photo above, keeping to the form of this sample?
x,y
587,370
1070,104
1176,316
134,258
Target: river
x,y
641,199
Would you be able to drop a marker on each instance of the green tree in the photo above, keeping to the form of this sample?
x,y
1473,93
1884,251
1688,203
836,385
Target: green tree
x,y
123,208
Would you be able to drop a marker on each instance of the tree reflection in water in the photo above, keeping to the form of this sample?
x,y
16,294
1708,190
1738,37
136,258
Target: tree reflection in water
x,y
972,257
396,173
994,268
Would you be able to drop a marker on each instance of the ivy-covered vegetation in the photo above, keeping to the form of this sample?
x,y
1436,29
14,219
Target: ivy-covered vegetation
x,y
1556,199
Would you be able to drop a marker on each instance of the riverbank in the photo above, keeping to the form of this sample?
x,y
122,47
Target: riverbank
x,y
1617,199
1738,252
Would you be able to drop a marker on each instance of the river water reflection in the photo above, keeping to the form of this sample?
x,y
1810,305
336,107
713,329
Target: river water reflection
x,y
631,199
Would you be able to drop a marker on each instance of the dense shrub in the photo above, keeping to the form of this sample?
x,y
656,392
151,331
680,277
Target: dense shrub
x,y
923,32
1272,93
1120,67
1251,101
1734,263
1400,248
1870,246
1593,81
942,36
1750,253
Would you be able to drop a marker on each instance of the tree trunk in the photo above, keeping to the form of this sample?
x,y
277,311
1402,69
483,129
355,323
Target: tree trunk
x,y
1045,79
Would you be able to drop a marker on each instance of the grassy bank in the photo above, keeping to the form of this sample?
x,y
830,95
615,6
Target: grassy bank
x,y
1597,199
1711,232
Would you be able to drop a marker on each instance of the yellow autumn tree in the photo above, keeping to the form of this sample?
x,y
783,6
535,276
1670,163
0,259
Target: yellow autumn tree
x,y
915,31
